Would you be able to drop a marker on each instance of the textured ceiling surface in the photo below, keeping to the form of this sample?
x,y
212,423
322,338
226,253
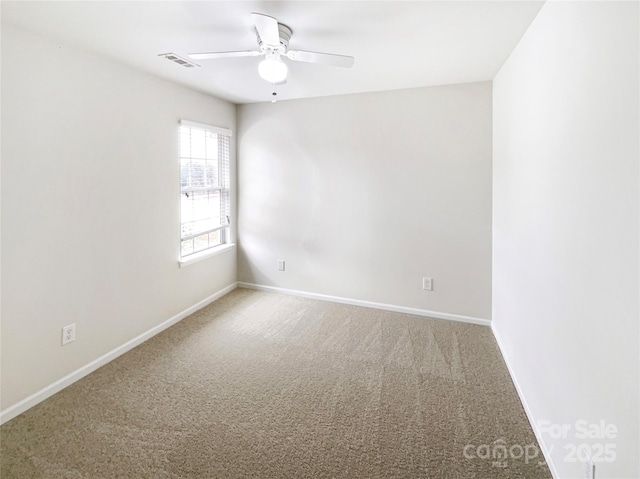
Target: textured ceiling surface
x,y
396,44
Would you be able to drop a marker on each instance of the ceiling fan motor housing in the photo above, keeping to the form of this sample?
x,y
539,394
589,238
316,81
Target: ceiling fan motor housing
x,y
284,32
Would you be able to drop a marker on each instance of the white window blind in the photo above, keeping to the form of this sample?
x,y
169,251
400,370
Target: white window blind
x,y
204,187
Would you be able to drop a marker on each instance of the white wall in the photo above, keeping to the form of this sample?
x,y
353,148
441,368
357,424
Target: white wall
x,y
90,211
565,231
363,195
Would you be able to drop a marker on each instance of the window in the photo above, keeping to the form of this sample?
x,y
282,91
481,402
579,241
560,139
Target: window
x,y
204,187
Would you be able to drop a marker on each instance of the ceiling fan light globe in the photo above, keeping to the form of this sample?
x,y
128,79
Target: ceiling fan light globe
x,y
272,70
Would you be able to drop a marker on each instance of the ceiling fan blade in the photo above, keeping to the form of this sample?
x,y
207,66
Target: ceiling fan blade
x,y
267,28
343,61
212,55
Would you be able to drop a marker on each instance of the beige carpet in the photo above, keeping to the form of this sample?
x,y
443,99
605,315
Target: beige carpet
x,y
261,385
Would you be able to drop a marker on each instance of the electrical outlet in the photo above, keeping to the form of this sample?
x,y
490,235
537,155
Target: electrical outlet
x,y
427,284
589,468
280,265
69,334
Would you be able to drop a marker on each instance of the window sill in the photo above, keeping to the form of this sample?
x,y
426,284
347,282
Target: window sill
x,y
197,257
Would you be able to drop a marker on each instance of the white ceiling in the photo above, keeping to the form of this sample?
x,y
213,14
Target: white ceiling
x,y
396,44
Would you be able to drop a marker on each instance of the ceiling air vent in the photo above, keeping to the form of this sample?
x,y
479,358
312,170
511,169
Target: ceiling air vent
x,y
179,60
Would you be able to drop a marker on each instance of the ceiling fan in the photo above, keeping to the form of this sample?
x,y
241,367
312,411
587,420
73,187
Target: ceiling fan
x,y
273,43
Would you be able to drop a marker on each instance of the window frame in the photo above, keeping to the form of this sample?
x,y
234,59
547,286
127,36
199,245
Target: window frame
x,y
223,187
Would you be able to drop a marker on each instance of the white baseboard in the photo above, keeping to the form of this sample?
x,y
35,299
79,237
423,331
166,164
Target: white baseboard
x,y
369,304
527,409
48,391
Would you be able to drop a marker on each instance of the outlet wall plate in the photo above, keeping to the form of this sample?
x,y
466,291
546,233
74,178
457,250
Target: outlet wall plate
x,y
589,469
280,265
427,284
68,334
